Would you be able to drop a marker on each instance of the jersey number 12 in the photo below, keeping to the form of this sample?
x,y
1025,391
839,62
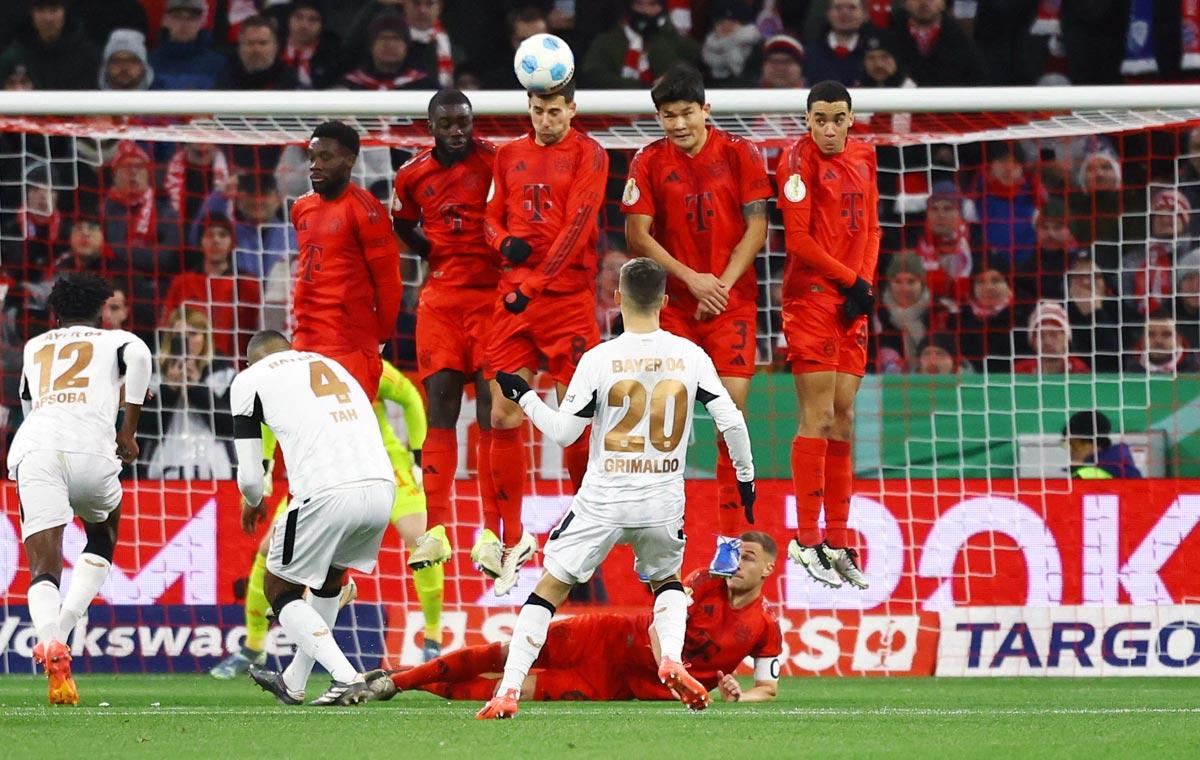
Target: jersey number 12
x,y
44,358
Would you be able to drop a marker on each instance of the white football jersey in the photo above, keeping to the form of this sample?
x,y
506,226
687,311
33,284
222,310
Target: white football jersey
x,y
321,416
71,386
639,390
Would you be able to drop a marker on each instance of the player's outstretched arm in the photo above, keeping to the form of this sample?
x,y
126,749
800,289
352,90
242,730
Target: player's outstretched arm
x,y
567,423
138,363
395,387
711,291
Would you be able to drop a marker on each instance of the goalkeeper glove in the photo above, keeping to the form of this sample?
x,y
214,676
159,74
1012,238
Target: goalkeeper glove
x,y
515,250
748,495
513,386
859,299
516,301
268,477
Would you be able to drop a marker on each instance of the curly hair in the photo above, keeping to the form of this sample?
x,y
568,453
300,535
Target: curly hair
x,y
79,297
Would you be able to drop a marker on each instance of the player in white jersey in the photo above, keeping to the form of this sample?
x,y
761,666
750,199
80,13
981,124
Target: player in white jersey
x,y
342,488
66,459
637,391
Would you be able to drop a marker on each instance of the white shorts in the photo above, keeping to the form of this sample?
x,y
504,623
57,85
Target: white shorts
x,y
341,528
577,547
54,486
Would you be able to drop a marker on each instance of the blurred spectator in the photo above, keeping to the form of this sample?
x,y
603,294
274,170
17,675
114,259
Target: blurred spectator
x,y
1008,198
187,427
183,59
1152,266
837,52
639,50
429,44
37,225
1041,276
1094,38
1189,172
467,77
88,251
263,236
937,355
1097,206
310,49
354,41
985,324
730,50
114,315
608,314
903,318
948,244
1049,335
194,171
881,65
1093,455
53,49
1187,298
212,284
523,23
1002,30
1161,351
783,62
140,227
386,67
934,49
257,65
18,79
125,65
103,16
1095,314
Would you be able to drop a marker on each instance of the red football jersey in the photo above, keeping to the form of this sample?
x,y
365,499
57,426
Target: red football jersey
x,y
830,217
696,202
347,290
549,196
449,202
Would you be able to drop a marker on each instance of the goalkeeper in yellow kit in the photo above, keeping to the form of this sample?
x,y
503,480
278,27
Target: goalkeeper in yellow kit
x,y
427,550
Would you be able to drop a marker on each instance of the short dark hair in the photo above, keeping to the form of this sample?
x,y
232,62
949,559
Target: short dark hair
x,y
266,22
266,338
762,539
567,90
447,98
643,281
682,82
79,296
830,91
525,14
340,132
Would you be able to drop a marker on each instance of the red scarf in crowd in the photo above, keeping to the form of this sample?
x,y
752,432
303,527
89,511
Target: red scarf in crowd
x,y
368,81
926,37
637,62
1154,284
176,179
30,221
680,13
142,223
300,61
946,259
1139,57
984,313
445,59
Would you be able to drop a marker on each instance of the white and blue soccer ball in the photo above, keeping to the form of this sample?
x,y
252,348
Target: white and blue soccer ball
x,y
544,63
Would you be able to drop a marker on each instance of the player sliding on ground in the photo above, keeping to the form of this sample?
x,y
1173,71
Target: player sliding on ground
x,y
638,390
444,190
605,656
696,202
342,489
829,200
547,189
65,460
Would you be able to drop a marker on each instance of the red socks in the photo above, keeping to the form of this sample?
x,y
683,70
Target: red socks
x,y
459,665
475,690
575,457
729,505
839,480
439,461
509,473
487,489
808,480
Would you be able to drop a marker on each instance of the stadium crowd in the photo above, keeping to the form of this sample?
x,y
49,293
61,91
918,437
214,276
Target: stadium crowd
x,y
1051,256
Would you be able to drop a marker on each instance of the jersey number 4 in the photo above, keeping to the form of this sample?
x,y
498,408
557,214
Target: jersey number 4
x,y
620,438
72,377
325,383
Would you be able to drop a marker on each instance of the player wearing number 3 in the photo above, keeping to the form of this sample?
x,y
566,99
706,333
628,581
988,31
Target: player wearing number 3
x,y
638,391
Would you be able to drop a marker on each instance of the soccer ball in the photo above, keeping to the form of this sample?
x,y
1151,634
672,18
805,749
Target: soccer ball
x,y
544,63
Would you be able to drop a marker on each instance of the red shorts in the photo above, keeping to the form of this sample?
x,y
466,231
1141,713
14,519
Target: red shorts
x,y
553,331
819,339
366,366
729,338
452,330
587,657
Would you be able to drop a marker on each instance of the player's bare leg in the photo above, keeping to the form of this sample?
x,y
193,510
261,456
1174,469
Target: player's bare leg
x,y
816,392
44,553
839,481
509,474
729,505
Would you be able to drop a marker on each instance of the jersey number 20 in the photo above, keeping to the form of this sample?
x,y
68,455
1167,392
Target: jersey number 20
x,y
620,438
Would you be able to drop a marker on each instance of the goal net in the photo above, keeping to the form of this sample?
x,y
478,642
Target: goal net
x,y
1035,264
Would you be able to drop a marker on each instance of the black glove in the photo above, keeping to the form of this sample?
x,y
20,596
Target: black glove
x,y
515,249
516,301
416,455
746,492
512,386
859,299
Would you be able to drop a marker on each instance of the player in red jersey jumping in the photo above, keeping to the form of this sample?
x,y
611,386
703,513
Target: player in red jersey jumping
x,y
347,290
444,190
829,199
696,202
605,656
547,189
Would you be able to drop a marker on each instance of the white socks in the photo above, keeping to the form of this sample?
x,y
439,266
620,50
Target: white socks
x,y
670,620
91,570
300,668
314,637
529,634
43,601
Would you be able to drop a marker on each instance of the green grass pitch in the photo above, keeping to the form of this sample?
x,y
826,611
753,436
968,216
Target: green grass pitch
x,y
177,717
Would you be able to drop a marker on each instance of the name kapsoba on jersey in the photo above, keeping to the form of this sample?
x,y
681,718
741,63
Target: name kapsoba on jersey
x,y
60,397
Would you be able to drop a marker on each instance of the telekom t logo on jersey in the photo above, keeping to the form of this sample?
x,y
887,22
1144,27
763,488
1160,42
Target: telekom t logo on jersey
x,y
537,200
852,208
699,210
